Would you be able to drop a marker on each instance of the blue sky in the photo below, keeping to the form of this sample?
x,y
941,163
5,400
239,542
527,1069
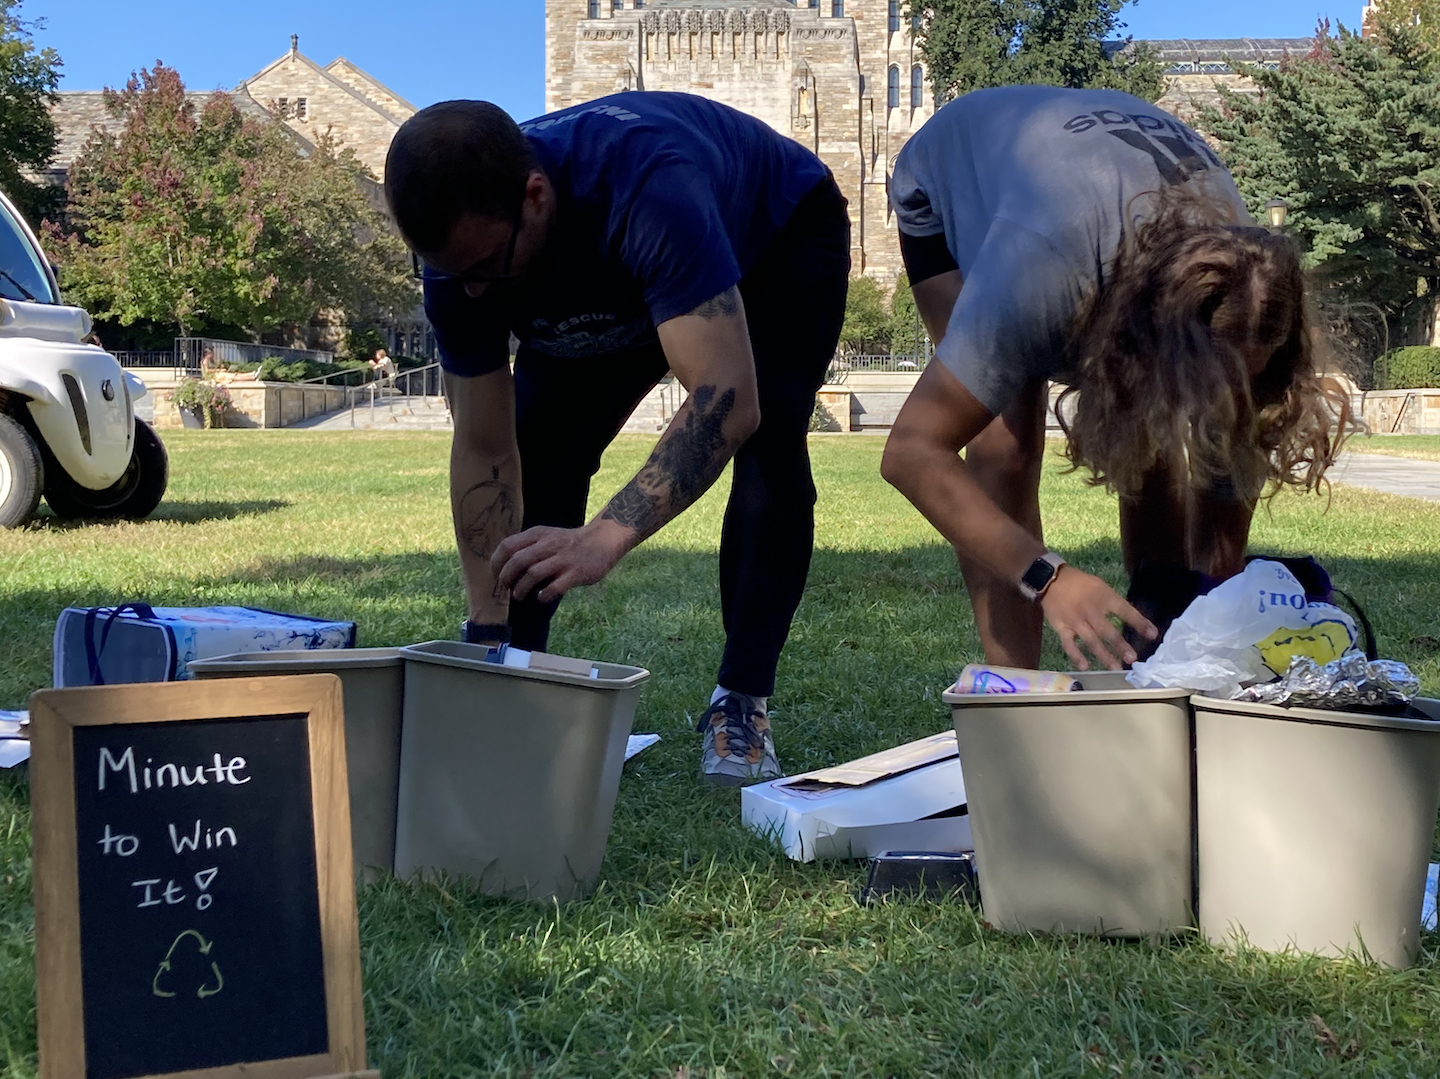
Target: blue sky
x,y
431,50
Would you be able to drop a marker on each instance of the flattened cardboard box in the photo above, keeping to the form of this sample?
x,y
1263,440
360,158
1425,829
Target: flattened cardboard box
x,y
911,797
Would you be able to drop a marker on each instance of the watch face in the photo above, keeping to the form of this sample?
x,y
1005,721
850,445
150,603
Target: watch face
x,y
1038,575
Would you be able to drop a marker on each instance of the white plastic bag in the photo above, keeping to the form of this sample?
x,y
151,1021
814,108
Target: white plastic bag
x,y
1246,630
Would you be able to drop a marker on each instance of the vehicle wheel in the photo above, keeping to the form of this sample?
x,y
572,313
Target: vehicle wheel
x,y
22,474
135,494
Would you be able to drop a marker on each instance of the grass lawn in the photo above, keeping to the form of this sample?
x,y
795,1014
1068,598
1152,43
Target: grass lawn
x,y
705,953
1416,447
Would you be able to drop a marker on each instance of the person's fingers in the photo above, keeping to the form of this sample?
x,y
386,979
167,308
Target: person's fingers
x,y
1067,642
538,574
562,583
1115,641
1096,643
510,546
520,561
1134,618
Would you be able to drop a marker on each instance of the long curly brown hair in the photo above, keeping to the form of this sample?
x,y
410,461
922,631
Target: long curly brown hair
x,y
1159,360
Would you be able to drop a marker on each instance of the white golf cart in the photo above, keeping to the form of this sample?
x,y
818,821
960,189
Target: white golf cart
x,y
67,420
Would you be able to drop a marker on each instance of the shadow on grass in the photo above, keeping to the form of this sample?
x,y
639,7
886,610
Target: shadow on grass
x,y
184,512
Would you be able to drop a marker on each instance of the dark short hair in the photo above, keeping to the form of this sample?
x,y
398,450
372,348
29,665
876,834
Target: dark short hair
x,y
454,158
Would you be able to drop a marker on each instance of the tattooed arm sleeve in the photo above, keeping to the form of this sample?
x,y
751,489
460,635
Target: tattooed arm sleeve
x,y
709,351
484,484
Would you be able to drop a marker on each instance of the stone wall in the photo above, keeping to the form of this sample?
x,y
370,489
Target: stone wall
x,y
1401,412
330,106
257,405
816,77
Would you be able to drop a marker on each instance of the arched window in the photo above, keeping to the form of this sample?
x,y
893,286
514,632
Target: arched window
x,y
894,87
894,16
594,9
917,86
837,9
916,22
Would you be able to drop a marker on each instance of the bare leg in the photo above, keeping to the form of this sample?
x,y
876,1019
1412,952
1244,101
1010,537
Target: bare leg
x,y
1005,460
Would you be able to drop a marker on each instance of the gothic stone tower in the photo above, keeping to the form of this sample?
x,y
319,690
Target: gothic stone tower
x,y
842,77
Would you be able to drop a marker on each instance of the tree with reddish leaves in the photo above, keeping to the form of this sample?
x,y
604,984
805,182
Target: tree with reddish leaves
x,y
205,218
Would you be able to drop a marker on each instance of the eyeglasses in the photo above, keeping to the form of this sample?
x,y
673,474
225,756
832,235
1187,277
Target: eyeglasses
x,y
475,275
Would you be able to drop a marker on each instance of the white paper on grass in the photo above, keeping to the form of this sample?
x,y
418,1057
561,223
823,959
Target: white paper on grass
x,y
637,742
1427,910
1211,648
11,723
13,751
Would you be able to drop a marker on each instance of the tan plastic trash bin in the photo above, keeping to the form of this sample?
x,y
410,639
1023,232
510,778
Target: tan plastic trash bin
x,y
509,776
1080,807
372,681
1315,827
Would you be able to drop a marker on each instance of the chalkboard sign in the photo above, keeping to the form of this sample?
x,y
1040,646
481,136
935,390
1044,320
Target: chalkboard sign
x,y
194,905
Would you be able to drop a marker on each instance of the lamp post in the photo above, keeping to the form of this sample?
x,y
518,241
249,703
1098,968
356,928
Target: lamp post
x,y
1276,211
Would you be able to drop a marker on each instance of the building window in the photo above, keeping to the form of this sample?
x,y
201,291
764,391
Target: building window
x,y
916,21
594,9
837,9
894,88
815,3
863,85
917,86
617,5
639,3
894,16
282,106
302,109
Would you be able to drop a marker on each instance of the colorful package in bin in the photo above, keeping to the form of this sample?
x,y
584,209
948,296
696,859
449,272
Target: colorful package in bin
x,y
983,678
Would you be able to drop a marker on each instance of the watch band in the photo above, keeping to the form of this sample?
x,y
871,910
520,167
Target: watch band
x,y
484,632
1041,574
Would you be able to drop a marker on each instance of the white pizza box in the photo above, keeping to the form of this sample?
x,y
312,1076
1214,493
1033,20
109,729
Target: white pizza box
x,y
911,797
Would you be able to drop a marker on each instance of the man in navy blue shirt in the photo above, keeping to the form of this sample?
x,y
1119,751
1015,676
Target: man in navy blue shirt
x,y
617,240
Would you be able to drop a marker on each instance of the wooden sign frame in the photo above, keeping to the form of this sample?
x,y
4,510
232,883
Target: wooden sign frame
x,y
54,714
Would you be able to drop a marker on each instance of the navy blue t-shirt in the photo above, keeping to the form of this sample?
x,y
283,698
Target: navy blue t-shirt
x,y
663,201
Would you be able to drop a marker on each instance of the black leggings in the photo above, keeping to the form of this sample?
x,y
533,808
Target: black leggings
x,y
568,411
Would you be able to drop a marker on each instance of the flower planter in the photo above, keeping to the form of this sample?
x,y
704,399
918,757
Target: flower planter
x,y
192,418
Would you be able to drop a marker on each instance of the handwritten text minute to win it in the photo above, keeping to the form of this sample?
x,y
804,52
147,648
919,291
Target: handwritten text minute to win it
x,y
172,775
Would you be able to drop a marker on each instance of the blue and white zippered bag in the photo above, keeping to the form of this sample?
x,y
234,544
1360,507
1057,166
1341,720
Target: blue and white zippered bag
x,y
134,642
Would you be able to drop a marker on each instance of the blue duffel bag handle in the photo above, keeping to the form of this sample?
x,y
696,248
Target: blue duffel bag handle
x,y
142,611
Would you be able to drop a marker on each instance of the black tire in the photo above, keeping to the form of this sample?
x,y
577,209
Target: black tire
x,y
22,474
134,495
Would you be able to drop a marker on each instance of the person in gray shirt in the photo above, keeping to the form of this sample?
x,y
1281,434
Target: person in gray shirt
x,y
1100,242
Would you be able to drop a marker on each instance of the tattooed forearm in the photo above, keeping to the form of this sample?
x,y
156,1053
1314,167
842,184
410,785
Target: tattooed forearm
x,y
682,468
721,306
486,516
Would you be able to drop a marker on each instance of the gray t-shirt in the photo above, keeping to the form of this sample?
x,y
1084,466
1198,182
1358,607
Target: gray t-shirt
x,y
1032,187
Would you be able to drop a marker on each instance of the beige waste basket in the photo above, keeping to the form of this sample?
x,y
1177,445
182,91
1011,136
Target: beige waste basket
x,y
372,682
509,776
1080,806
1315,827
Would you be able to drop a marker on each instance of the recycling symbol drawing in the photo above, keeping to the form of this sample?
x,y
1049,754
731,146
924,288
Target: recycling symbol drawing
x,y
211,984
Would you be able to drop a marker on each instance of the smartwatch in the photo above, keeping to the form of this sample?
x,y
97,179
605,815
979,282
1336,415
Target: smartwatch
x,y
1040,575
484,633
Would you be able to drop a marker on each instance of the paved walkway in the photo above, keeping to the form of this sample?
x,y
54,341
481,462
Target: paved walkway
x,y
1393,475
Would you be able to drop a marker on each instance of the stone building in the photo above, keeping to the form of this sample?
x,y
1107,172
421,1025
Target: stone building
x,y
843,77
356,109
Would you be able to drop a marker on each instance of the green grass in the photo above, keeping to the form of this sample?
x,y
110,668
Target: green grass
x,y
1416,447
705,953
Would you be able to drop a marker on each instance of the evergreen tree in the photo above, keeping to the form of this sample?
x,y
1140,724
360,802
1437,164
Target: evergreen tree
x,y
204,218
1349,135
974,44
28,78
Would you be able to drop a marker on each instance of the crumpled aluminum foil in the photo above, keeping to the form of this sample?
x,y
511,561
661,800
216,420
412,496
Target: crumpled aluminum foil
x,y
1351,682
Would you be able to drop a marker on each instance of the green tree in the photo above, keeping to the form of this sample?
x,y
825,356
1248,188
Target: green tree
x,y
867,328
28,78
207,218
1349,135
1424,15
975,44
907,333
